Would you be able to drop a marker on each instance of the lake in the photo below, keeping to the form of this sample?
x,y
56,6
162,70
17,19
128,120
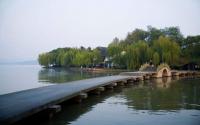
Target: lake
x,y
158,102
21,77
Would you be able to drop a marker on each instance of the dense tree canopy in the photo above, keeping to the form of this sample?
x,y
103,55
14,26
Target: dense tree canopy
x,y
191,49
168,50
67,57
162,50
153,45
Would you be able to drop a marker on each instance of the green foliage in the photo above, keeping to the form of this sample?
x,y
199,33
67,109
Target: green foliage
x,y
96,56
174,34
154,34
135,36
132,57
115,50
168,50
139,47
67,57
44,59
156,59
191,49
82,58
142,49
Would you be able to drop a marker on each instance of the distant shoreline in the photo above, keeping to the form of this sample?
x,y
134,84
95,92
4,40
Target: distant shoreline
x,y
31,62
102,70
97,70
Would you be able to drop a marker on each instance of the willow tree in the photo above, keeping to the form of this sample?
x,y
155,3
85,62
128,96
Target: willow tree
x,y
95,56
68,57
168,50
43,59
156,58
115,50
142,48
132,57
82,58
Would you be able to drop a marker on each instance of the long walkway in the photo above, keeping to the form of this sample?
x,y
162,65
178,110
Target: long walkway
x,y
18,105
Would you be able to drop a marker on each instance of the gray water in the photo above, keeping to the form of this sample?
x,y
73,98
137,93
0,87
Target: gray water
x,y
15,78
18,77
155,102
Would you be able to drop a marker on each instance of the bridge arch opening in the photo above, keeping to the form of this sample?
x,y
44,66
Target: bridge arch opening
x,y
165,73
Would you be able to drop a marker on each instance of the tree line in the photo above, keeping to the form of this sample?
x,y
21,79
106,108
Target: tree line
x,y
140,46
70,57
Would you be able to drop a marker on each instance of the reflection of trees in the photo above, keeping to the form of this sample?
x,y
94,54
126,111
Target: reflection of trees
x,y
61,75
72,111
156,96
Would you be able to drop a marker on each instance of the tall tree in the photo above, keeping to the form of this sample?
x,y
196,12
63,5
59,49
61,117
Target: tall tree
x,y
168,50
191,49
43,59
174,34
135,36
156,59
153,34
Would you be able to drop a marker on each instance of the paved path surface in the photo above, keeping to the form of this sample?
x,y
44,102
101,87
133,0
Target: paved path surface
x,y
18,105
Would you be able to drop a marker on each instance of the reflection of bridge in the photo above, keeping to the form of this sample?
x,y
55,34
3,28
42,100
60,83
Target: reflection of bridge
x,y
163,72
18,105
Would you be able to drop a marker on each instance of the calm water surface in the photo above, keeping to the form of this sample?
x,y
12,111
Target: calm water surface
x,y
21,77
154,102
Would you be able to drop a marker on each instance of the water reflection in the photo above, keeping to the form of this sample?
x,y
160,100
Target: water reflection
x,y
72,111
162,82
149,101
61,75
169,93
165,94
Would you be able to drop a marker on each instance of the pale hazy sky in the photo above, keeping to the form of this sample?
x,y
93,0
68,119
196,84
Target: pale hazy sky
x,y
29,27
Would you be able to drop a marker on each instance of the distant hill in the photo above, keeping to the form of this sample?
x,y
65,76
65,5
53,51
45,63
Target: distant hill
x,y
28,62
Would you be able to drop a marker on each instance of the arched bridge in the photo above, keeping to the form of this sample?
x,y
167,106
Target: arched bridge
x,y
159,72
19,105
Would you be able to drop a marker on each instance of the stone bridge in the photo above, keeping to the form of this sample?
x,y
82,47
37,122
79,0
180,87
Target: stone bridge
x,y
160,72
